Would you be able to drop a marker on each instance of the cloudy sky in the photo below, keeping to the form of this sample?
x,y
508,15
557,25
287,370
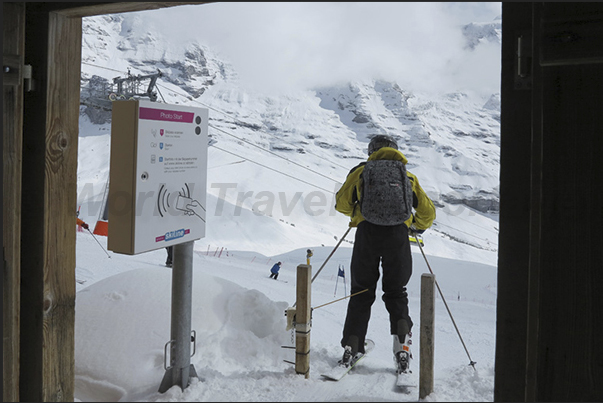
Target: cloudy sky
x,y
286,46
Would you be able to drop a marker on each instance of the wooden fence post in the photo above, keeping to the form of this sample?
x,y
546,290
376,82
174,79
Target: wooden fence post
x,y
303,319
426,347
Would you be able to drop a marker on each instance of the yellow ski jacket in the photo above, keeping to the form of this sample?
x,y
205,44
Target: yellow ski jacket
x,y
347,199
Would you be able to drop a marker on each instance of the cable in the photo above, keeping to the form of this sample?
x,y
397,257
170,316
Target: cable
x,y
267,167
238,138
160,93
244,123
102,67
466,233
477,225
328,303
275,154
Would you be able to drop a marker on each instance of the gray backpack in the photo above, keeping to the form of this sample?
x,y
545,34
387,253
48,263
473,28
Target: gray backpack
x,y
386,193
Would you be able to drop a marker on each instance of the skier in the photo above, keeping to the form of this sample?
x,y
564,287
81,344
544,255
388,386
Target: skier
x,y
170,252
274,270
309,254
388,244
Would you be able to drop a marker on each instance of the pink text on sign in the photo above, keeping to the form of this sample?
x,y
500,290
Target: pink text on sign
x,y
165,115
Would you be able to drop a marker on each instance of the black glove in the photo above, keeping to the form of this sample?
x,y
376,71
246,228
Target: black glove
x,y
85,226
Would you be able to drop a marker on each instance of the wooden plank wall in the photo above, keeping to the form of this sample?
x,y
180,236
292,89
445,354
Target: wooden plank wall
x,y
13,42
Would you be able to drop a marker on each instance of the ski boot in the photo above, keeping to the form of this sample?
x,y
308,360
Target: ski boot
x,y
346,360
349,358
402,354
350,353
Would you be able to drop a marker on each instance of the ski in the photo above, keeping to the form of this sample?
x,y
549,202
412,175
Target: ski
x,y
282,281
405,382
339,372
403,358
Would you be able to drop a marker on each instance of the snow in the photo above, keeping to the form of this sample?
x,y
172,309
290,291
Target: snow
x,y
274,165
123,322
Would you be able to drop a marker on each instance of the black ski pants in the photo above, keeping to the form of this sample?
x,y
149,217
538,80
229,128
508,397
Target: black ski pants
x,y
389,246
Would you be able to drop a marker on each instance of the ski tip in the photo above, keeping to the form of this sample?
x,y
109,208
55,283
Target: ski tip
x,y
329,378
407,389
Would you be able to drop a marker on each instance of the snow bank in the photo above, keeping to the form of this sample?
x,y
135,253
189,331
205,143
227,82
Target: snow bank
x,y
123,323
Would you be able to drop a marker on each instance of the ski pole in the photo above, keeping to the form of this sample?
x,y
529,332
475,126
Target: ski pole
x,y
98,242
336,246
471,362
333,251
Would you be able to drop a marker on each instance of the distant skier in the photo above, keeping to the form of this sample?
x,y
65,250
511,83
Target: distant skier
x,y
309,254
170,253
274,270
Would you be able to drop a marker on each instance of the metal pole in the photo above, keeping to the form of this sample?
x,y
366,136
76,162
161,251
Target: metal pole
x,y
180,370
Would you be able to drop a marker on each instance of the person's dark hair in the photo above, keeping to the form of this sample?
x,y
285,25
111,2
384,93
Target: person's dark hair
x,y
380,141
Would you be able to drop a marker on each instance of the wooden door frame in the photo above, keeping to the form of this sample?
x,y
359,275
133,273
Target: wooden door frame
x,y
38,351
47,235
548,323
12,126
50,141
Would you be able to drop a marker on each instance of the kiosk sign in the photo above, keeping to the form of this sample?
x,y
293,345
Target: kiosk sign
x,y
158,175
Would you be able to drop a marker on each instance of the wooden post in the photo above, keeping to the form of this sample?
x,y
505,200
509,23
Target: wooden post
x,y
426,346
303,318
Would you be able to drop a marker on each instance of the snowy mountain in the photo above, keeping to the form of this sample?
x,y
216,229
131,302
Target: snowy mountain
x,y
287,149
480,32
274,164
